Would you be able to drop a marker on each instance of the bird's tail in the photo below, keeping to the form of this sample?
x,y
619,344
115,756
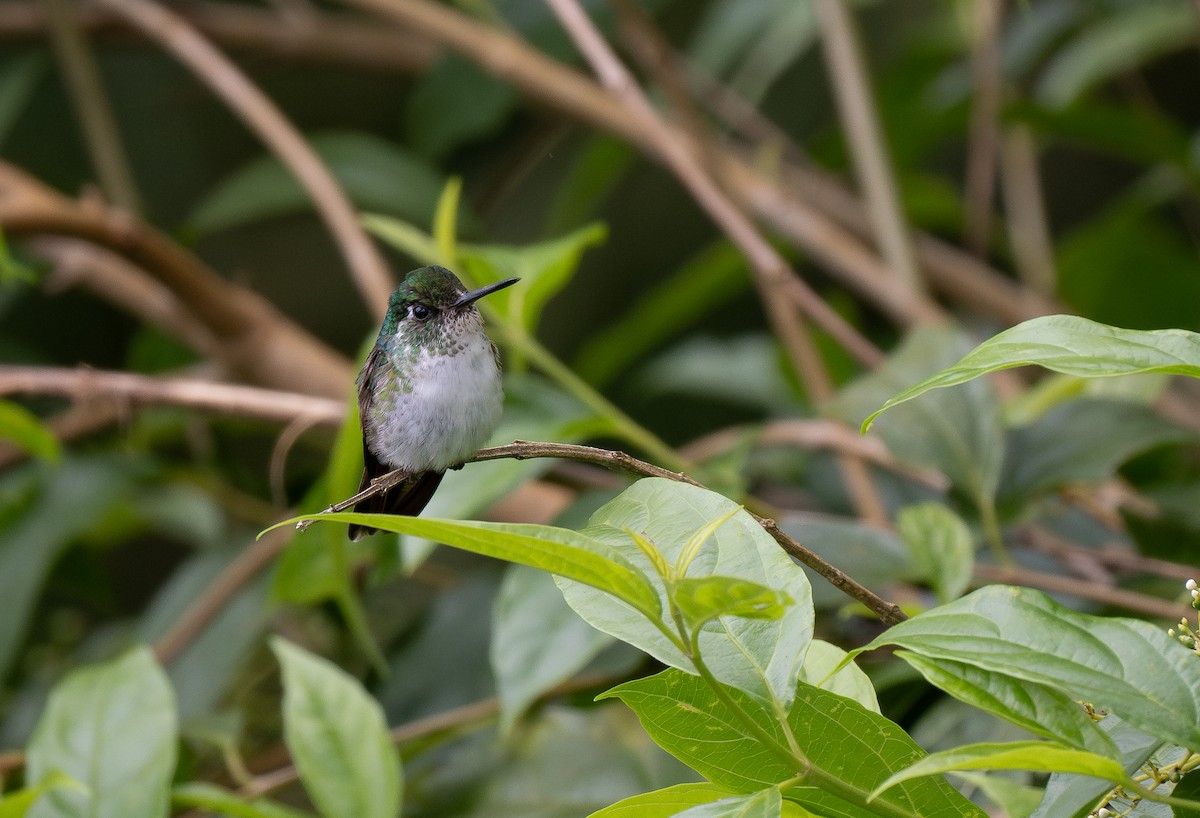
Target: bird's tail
x,y
408,498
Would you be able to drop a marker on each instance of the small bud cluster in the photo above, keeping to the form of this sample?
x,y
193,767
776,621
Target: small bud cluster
x,y
1184,633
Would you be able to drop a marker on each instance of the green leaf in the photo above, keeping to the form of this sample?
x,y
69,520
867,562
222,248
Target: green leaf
x,y
851,750
211,798
1125,41
1081,441
1039,756
1070,345
847,678
668,802
941,546
957,433
600,165
376,174
1039,709
761,657
710,279
762,804
1075,796
338,738
44,514
742,371
20,426
544,269
1188,787
701,600
112,728
1094,261
690,548
18,804
455,103
557,550
404,237
1123,666
537,640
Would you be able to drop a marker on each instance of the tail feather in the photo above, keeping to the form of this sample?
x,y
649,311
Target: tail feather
x,y
408,498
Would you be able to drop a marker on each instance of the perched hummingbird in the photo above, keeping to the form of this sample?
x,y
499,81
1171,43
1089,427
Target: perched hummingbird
x,y
430,392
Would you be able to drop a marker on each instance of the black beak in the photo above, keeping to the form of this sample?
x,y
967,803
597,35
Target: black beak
x,y
475,295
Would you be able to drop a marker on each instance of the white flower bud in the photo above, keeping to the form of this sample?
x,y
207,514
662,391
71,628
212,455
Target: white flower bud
x,y
1190,585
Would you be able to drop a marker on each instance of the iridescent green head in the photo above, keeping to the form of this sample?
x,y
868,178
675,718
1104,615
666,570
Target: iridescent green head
x,y
430,293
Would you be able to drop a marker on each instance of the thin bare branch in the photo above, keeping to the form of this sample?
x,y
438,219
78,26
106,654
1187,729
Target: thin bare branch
x,y
322,39
366,264
1025,210
1083,589
983,139
868,145
84,384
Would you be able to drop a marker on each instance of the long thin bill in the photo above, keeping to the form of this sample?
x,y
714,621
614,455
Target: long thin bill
x,y
475,295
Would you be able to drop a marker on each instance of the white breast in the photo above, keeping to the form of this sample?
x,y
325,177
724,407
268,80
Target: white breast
x,y
453,406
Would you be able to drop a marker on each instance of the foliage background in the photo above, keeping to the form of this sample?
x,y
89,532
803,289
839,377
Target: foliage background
x,y
1044,162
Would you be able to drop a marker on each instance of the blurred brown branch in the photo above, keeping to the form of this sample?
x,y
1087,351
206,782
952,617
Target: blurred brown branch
x,y
367,267
250,335
83,385
322,39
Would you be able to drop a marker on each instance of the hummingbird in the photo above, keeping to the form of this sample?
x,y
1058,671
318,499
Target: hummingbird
x,y
430,392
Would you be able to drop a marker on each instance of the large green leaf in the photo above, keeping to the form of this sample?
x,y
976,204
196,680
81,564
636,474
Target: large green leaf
x,y
957,433
762,804
338,738
851,750
670,801
1081,440
1039,756
941,546
1094,262
847,679
1040,709
201,795
761,657
544,269
1067,344
1123,666
537,640
455,102
112,728
557,550
1075,796
377,175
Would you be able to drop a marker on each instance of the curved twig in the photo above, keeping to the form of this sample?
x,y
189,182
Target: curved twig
x,y
366,264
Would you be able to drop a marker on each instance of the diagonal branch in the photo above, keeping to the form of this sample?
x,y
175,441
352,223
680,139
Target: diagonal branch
x,y
888,612
366,264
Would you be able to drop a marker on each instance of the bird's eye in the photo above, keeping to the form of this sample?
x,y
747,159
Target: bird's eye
x,y
420,312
